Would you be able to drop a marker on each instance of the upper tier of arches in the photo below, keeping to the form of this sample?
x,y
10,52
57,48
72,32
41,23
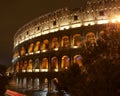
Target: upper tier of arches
x,y
62,19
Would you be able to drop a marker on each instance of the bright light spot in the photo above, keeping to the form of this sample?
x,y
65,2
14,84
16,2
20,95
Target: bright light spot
x,y
102,21
44,50
56,70
23,70
75,46
115,20
37,52
64,27
56,49
36,70
45,32
29,70
75,25
26,54
52,30
31,53
44,70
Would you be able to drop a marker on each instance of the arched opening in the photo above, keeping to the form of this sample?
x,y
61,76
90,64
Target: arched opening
x,y
44,65
55,43
37,47
78,60
77,40
30,49
36,65
24,82
45,45
22,51
17,67
24,66
54,84
29,84
102,36
16,54
65,62
65,42
54,64
90,39
36,83
30,65
45,84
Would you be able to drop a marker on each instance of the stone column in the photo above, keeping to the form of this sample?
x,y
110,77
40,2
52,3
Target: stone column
x,y
27,83
21,82
18,82
49,85
40,84
32,83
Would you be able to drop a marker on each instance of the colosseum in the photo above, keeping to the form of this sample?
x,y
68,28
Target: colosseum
x,y
52,42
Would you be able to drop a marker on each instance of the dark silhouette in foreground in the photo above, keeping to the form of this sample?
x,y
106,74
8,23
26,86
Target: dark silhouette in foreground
x,y
101,76
4,80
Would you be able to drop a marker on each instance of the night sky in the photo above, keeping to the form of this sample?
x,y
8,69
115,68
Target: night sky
x,y
15,13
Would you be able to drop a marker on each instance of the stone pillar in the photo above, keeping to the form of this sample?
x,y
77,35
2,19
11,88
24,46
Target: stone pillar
x,y
59,64
27,83
21,82
49,85
18,82
32,83
40,84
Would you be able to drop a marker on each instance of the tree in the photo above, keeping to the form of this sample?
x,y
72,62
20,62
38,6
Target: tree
x,y
102,64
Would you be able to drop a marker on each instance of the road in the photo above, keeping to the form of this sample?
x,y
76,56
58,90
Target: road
x,y
13,93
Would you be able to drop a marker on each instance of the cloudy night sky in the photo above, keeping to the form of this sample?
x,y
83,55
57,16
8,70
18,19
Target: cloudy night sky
x,y
15,13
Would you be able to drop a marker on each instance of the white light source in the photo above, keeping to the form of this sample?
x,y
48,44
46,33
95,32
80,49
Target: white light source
x,y
115,20
23,70
75,25
37,52
44,50
44,70
102,21
56,49
56,70
36,70
29,70
75,46
31,53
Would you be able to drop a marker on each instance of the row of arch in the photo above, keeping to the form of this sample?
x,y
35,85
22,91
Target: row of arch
x,y
44,65
77,41
36,83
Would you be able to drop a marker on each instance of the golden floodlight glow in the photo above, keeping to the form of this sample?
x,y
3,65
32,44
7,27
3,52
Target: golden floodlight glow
x,y
37,52
56,70
56,49
44,70
29,70
37,70
44,50
117,19
75,25
45,32
102,21
75,46
31,53
23,71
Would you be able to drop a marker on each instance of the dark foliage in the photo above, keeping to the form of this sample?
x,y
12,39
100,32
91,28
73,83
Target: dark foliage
x,y
102,70
3,80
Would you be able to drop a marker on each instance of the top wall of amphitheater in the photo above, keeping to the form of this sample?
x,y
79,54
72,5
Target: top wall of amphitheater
x,y
65,18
